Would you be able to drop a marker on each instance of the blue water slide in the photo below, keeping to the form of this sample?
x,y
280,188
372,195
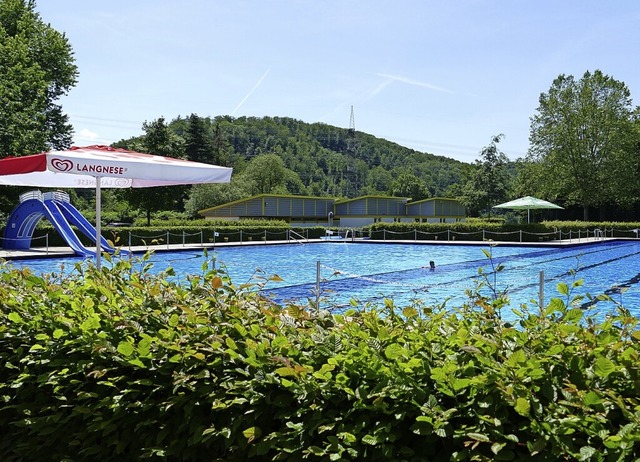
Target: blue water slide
x,y
24,218
56,217
74,217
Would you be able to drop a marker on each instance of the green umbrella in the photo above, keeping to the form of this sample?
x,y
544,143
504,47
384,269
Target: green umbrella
x,y
527,203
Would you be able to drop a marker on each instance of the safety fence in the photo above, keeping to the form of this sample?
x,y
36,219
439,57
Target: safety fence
x,y
509,236
170,239
207,237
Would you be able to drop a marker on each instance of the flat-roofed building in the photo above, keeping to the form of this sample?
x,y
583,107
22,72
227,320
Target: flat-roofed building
x,y
362,211
437,210
299,210
346,213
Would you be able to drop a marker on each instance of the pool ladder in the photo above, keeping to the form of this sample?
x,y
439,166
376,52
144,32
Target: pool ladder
x,y
299,238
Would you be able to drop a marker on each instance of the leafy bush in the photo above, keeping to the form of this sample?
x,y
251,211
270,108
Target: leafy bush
x,y
119,364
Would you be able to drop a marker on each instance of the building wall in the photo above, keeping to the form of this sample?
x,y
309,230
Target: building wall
x,y
380,206
445,208
312,211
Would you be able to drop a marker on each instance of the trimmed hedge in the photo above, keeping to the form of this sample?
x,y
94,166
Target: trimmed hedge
x,y
135,236
119,364
478,230
203,231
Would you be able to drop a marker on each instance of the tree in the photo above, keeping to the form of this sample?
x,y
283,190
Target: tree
x,y
204,196
489,182
408,185
582,136
199,146
265,173
37,69
160,140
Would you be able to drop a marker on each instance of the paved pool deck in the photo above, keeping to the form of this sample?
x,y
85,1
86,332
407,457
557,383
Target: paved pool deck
x,y
61,252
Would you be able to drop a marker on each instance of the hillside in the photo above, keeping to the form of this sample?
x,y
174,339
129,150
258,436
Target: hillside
x,y
328,160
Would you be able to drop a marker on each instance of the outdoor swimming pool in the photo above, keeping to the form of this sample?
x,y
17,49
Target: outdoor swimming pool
x,y
371,272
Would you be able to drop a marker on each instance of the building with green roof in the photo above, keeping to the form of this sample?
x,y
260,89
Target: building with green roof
x,y
347,213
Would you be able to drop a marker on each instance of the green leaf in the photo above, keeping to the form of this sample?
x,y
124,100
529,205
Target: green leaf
x,y
370,440
395,351
574,315
517,357
604,367
252,433
497,447
137,362
231,343
58,333
478,437
126,348
522,406
286,372
173,320
15,317
563,288
591,398
586,453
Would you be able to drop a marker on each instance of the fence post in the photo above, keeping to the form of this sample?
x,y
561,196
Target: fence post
x,y
415,235
46,239
318,286
520,235
167,239
483,239
541,292
265,236
448,235
384,234
202,236
183,238
129,241
240,236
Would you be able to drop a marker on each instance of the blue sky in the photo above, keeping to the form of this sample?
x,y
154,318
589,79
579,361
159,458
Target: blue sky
x,y
437,76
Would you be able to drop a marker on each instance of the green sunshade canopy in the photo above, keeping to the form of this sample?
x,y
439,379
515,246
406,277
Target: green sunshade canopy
x,y
527,203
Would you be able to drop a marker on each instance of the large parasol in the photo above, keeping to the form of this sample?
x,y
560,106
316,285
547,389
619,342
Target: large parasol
x,y
527,203
105,167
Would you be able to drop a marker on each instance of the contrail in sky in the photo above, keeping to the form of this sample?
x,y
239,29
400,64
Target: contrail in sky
x,y
251,92
416,83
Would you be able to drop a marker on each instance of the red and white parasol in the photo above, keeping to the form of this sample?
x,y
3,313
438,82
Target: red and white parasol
x,y
104,166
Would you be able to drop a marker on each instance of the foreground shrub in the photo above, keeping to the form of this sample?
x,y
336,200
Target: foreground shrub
x,y
118,364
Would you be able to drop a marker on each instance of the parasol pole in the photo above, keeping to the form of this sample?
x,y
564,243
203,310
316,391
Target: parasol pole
x,y
98,223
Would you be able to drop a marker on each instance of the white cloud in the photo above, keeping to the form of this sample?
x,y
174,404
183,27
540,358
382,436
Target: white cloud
x,y
87,135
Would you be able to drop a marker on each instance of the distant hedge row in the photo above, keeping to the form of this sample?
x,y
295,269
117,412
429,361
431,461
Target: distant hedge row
x,y
479,230
205,232
117,364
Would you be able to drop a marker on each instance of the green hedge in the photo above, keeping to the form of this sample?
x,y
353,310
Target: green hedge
x,y
117,364
124,236
479,230
198,231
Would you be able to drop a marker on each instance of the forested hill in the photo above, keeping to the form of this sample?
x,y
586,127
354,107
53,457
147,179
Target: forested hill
x,y
324,160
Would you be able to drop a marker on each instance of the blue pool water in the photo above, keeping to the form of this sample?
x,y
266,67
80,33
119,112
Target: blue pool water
x,y
370,272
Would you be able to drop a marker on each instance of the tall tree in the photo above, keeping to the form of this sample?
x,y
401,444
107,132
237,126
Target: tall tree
x,y
160,140
406,184
37,68
199,145
582,136
489,182
266,174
